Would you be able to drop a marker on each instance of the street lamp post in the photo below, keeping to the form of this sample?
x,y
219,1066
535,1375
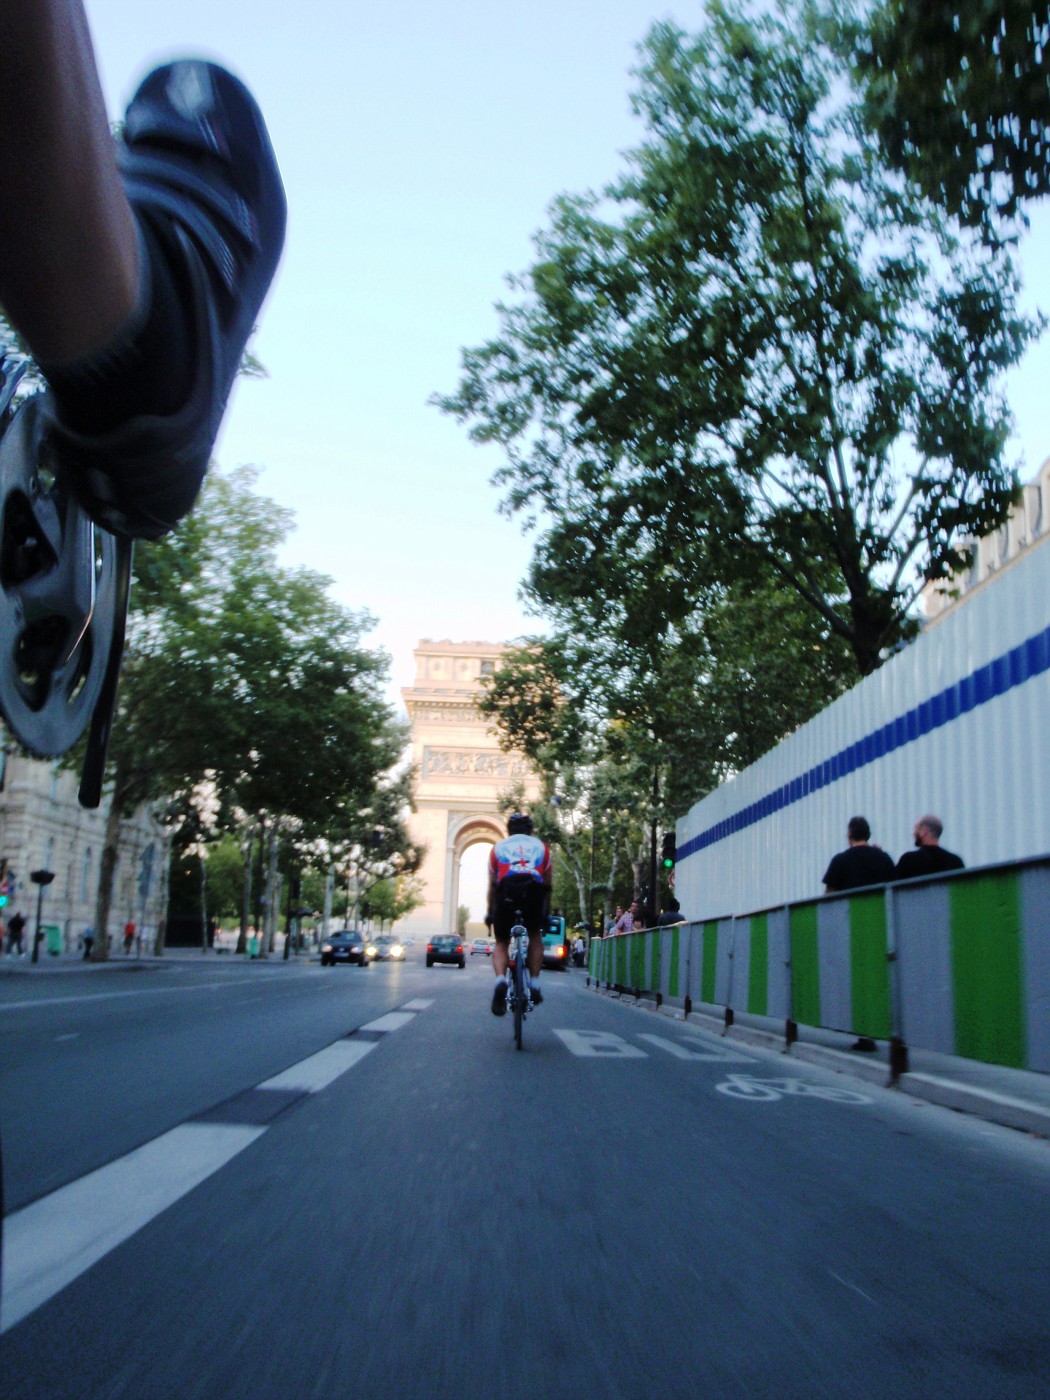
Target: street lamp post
x,y
40,878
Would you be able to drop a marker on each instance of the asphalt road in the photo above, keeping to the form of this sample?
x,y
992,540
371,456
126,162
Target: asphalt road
x,y
629,1208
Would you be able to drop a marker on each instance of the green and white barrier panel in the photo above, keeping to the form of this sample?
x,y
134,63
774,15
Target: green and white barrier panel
x,y
959,964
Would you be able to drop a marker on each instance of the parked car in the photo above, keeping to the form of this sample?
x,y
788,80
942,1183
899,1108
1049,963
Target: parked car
x,y
446,948
348,945
389,949
481,945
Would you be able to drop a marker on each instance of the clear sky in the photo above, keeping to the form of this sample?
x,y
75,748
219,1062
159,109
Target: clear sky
x,y
420,145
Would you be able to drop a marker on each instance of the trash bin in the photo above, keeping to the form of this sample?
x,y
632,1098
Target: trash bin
x,y
253,947
53,934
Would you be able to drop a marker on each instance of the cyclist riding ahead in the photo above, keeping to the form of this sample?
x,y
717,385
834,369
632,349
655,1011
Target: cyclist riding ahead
x,y
519,883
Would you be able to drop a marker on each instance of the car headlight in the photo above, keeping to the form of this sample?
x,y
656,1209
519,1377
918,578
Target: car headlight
x,y
397,951
371,950
326,947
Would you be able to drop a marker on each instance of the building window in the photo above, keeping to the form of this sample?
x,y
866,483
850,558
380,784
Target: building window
x,y
488,668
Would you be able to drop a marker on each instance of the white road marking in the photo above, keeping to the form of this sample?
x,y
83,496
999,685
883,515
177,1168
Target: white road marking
x,y
420,1004
710,1053
141,992
53,1241
852,1286
50,1243
74,1035
321,1069
599,1045
392,1021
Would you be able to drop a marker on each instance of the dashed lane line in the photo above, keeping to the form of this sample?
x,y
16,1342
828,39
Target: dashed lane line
x,y
317,1072
89,997
50,1243
53,1241
392,1021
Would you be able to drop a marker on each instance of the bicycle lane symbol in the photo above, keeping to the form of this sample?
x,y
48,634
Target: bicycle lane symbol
x,y
747,1086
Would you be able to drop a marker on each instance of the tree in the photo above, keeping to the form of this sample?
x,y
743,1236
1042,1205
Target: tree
x,y
755,355
959,94
224,647
392,898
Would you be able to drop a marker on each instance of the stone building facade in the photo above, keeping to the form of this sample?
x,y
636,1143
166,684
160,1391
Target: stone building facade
x,y
43,827
1027,524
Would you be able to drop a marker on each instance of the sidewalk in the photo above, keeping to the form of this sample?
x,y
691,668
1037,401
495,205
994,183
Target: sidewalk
x,y
1014,1098
71,963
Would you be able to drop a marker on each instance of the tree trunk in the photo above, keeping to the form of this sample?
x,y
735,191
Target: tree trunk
x,y
246,897
329,890
162,918
204,902
108,869
610,881
271,892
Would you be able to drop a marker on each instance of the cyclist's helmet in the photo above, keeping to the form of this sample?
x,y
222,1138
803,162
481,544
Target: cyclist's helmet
x,y
519,824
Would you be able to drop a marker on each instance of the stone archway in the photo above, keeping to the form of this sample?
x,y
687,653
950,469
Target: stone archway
x,y
461,772
469,831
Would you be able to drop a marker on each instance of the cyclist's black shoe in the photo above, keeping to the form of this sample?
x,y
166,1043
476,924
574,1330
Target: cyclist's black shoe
x,y
201,177
535,995
499,998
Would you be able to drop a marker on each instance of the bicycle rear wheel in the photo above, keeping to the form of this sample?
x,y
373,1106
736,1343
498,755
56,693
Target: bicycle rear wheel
x,y
519,994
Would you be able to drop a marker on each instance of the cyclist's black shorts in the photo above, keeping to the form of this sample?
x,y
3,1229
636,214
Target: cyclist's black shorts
x,y
516,892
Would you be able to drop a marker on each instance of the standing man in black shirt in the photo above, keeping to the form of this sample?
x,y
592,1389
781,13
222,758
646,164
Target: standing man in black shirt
x,y
929,857
860,864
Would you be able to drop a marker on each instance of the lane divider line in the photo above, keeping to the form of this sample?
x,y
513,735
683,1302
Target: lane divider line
x,y
318,1071
53,1241
50,1243
392,1021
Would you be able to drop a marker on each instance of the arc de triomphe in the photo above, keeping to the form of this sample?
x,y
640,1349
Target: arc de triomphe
x,y
460,771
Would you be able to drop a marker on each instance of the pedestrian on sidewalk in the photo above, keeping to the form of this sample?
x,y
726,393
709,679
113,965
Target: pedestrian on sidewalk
x,y
860,864
15,930
929,856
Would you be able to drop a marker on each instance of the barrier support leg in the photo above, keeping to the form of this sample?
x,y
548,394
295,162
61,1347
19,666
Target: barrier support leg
x,y
898,1058
790,1033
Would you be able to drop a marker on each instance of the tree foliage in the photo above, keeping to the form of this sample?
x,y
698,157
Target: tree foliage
x,y
960,95
246,671
756,355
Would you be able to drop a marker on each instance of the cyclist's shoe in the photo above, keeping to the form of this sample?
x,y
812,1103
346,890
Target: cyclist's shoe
x,y
499,998
201,177
535,995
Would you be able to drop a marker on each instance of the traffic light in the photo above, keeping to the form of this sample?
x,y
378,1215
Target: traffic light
x,y
667,853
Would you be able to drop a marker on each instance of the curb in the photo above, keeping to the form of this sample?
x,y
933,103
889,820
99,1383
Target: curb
x,y
1002,1109
982,1103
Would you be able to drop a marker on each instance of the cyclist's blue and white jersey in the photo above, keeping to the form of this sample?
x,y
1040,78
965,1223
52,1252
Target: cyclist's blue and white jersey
x,y
520,855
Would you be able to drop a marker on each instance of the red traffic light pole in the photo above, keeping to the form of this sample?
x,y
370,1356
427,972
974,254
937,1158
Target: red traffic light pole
x,y
40,878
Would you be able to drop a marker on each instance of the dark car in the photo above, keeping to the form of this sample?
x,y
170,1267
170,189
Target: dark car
x,y
446,948
348,945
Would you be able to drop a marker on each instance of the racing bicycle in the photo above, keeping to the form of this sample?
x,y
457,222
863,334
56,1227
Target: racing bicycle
x,y
64,588
518,993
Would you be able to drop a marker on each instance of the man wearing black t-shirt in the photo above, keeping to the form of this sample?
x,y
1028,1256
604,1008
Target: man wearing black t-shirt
x,y
929,856
860,864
